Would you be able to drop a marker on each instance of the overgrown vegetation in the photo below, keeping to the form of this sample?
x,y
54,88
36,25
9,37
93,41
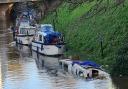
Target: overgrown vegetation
x,y
96,29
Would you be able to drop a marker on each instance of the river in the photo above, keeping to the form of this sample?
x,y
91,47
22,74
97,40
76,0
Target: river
x,y
22,69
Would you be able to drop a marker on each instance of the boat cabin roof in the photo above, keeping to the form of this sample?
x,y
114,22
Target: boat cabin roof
x,y
24,24
87,64
27,27
42,25
46,28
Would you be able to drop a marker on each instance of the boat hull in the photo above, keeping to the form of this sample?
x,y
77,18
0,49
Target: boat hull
x,y
48,49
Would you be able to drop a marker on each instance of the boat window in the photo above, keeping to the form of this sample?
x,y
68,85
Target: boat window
x,y
32,31
40,37
66,67
94,73
23,31
24,23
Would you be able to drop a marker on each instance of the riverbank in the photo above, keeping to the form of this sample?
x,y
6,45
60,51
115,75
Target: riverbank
x,y
97,29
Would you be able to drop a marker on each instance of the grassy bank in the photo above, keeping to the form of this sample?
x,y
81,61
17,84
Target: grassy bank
x,y
86,26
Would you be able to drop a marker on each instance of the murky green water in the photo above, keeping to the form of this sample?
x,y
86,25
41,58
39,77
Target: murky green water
x,y
21,69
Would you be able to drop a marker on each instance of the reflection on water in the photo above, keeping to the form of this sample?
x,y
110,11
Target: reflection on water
x,y
45,61
21,70
50,65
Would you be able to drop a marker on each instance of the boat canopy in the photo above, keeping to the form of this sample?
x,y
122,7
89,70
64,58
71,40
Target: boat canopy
x,y
47,28
48,32
87,63
90,63
50,36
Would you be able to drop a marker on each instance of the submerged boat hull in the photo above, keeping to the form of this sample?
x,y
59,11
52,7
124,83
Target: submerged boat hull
x,y
80,71
48,49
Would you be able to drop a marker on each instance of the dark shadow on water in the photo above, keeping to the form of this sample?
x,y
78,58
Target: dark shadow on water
x,y
121,82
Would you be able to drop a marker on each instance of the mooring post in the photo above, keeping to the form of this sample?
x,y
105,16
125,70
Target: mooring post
x,y
101,46
102,52
54,24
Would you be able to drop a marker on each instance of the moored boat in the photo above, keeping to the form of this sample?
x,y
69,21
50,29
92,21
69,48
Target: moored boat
x,y
48,42
25,33
84,69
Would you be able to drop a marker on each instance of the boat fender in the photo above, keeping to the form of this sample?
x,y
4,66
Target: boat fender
x,y
37,49
42,47
27,33
21,42
16,40
76,72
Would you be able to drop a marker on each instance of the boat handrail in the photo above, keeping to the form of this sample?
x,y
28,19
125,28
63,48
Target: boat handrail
x,y
49,43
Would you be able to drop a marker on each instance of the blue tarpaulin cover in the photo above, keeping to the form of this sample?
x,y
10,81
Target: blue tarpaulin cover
x,y
86,63
90,63
47,28
49,33
52,35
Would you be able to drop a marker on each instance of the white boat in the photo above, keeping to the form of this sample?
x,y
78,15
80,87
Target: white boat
x,y
84,69
48,42
25,33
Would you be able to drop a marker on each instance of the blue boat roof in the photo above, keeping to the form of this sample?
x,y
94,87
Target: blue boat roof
x,y
86,63
90,63
47,28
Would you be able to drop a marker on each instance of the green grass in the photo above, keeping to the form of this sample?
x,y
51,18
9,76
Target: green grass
x,y
83,35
